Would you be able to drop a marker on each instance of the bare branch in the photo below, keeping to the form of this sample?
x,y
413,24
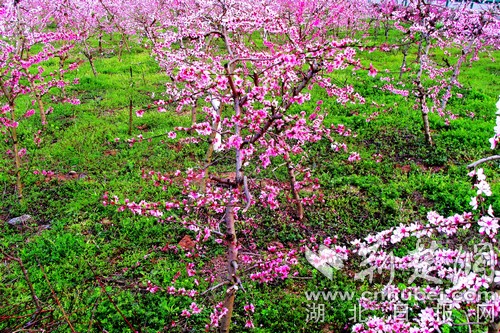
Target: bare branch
x,y
483,160
65,316
263,130
215,287
218,233
248,196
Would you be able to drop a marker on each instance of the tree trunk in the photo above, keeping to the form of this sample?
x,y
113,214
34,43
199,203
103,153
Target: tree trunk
x,y
456,72
403,63
88,54
427,129
123,43
419,52
100,42
232,257
231,240
421,93
62,60
130,116
295,193
17,158
41,107
211,147
130,112
193,114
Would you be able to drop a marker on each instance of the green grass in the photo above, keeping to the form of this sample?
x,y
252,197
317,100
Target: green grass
x,y
90,245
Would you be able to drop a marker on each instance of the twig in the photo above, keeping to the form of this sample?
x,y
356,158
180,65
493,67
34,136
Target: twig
x,y
248,196
4,191
238,281
262,130
226,182
211,230
468,323
103,288
215,287
251,254
301,277
26,276
56,298
92,316
483,160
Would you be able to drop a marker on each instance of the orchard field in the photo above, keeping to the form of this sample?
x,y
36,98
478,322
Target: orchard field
x,y
192,166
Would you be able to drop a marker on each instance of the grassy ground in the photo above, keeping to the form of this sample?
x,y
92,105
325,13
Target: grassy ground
x,y
93,260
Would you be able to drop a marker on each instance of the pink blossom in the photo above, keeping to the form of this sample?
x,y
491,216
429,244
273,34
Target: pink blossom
x,y
152,288
195,308
249,307
354,157
21,152
372,71
488,225
483,187
473,203
29,113
190,270
235,141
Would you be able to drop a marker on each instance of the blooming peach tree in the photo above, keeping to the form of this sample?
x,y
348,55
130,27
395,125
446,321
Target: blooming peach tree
x,y
431,76
25,45
244,68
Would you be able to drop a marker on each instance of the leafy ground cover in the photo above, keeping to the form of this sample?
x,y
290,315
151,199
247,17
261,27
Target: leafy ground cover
x,y
89,265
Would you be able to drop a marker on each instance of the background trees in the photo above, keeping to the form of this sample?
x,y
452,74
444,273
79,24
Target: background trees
x,y
446,38
26,44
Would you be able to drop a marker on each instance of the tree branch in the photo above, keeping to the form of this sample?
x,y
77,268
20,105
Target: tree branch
x,y
483,160
214,287
248,196
263,130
